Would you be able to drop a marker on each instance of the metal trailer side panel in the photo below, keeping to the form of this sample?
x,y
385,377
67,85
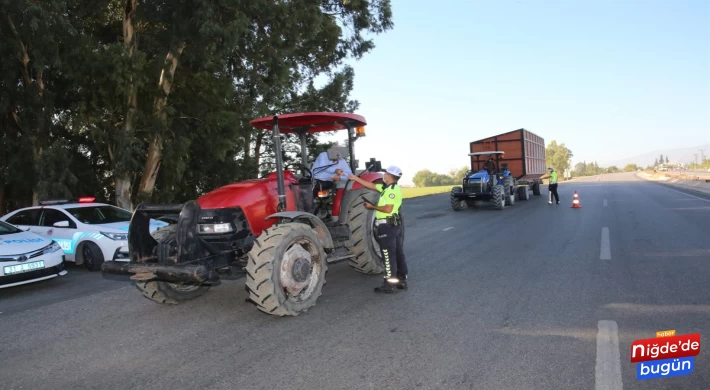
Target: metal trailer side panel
x,y
534,154
524,152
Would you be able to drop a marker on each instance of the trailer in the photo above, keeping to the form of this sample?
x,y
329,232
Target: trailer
x,y
503,167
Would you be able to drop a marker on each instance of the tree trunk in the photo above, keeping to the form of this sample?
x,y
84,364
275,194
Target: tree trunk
x,y
3,205
257,152
37,93
155,149
123,192
123,180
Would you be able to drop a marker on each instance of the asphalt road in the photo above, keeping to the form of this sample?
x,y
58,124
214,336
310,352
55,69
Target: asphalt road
x,y
531,297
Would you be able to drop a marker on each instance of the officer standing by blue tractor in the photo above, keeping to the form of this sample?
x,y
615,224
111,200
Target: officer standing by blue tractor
x,y
388,225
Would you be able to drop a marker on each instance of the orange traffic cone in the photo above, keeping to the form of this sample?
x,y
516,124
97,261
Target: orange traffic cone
x,y
575,202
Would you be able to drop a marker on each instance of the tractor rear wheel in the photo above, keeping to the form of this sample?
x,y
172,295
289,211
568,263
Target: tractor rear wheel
x,y
367,257
286,269
456,203
498,197
170,293
536,188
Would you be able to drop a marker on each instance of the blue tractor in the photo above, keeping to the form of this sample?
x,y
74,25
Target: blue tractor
x,y
492,182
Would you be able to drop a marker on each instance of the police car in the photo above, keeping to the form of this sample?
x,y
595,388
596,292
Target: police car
x,y
26,257
88,232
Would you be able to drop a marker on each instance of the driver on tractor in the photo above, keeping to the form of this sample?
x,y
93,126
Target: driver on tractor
x,y
328,168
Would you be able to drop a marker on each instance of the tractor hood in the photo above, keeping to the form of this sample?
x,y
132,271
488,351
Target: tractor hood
x,y
481,175
245,192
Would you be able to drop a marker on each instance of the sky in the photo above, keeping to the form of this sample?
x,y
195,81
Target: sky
x,y
609,78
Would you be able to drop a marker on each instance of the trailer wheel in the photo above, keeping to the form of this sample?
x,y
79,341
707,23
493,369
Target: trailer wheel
x,y
536,188
456,203
368,258
498,197
286,270
170,293
523,193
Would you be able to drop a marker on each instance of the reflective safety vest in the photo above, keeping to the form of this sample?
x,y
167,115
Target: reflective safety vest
x,y
391,194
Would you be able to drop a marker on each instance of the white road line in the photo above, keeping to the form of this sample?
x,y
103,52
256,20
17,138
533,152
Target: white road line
x,y
608,368
687,194
605,204
605,252
448,228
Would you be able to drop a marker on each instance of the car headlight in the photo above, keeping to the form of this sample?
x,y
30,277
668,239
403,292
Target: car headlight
x,y
210,228
116,236
53,247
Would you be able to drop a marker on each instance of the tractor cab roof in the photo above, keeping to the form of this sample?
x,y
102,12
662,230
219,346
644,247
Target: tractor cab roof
x,y
312,122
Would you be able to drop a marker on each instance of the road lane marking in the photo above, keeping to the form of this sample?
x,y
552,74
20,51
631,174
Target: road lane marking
x,y
687,194
448,228
605,252
605,204
608,368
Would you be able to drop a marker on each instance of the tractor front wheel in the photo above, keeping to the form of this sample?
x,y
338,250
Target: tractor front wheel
x,y
367,257
498,197
286,269
456,203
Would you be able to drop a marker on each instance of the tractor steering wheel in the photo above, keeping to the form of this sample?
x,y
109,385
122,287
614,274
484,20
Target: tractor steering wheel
x,y
304,169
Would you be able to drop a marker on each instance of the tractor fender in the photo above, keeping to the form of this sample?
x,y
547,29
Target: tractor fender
x,y
317,224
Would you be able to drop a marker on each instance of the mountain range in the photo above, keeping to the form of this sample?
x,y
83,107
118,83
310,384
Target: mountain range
x,y
679,155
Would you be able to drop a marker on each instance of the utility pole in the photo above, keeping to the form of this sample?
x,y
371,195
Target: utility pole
x,y
702,155
696,160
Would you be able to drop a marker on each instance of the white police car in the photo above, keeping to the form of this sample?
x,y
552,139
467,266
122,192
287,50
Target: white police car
x,y
88,232
26,257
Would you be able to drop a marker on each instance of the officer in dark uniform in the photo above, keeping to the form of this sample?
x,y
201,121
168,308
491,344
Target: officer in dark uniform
x,y
388,226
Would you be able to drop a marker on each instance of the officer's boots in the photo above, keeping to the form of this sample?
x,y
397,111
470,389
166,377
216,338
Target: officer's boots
x,y
386,287
402,285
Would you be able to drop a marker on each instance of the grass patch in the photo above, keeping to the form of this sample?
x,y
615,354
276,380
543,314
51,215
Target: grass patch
x,y
415,192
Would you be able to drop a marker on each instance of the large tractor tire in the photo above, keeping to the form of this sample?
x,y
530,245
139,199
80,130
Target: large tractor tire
x,y
367,256
536,188
457,204
286,269
170,293
498,197
165,292
523,193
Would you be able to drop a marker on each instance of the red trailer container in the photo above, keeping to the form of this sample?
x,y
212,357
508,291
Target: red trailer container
x,y
524,152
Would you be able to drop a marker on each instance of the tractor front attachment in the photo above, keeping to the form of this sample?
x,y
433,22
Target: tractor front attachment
x,y
177,252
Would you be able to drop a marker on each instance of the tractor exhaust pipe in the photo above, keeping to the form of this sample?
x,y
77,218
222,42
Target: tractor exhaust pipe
x,y
279,166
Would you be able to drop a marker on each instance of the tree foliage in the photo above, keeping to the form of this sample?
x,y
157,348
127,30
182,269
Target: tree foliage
x,y
630,167
427,178
151,100
558,156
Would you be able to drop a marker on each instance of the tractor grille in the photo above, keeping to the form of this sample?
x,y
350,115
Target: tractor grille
x,y
473,187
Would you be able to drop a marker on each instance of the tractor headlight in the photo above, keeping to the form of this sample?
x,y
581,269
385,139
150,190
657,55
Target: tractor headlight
x,y
211,228
116,236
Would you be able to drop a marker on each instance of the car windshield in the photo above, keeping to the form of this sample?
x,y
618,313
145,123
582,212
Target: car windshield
x,y
6,228
100,214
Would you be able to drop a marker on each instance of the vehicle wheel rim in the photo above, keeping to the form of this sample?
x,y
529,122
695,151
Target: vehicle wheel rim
x,y
300,269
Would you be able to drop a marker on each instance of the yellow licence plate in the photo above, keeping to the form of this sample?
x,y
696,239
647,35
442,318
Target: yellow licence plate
x,y
20,268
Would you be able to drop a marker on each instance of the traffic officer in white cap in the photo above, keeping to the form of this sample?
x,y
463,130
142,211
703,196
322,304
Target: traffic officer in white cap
x,y
388,224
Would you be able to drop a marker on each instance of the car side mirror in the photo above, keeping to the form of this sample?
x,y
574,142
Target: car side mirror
x,y
61,224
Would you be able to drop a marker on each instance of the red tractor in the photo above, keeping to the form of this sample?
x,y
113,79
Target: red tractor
x,y
264,230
